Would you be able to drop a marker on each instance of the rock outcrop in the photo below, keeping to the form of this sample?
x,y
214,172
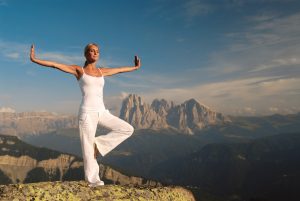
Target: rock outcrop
x,y
79,190
187,117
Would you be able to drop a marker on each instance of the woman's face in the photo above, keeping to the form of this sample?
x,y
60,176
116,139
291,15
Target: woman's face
x,y
92,53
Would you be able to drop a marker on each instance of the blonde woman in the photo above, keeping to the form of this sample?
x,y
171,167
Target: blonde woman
x,y
92,110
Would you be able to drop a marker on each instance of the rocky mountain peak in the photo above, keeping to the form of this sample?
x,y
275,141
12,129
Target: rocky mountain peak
x,y
161,106
186,117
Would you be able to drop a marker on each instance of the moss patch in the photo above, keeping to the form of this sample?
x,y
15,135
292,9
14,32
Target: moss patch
x,y
79,190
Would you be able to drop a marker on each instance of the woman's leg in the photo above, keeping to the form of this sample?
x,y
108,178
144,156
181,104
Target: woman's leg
x,y
87,128
120,131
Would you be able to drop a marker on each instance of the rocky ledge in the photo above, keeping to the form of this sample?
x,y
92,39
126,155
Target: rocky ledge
x,y
79,190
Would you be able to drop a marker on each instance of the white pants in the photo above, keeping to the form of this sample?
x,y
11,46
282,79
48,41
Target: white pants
x,y
88,121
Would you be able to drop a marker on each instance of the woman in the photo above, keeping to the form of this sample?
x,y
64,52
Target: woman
x,y
92,110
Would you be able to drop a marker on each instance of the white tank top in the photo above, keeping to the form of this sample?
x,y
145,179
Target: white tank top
x,y
92,93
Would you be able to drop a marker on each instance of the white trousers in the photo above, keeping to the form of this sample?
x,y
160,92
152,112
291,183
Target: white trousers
x,y
88,121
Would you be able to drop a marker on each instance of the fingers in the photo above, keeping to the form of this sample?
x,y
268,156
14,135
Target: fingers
x,y
137,61
32,53
32,49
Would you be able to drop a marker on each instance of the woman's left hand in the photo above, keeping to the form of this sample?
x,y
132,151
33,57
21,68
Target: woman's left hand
x,y
137,62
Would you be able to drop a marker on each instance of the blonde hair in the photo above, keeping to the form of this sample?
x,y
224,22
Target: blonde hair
x,y
86,49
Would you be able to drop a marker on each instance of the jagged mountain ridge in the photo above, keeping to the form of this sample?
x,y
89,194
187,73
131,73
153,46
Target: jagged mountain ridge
x,y
187,117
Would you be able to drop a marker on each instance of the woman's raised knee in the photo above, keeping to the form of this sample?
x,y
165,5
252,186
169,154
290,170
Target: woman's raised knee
x,y
129,129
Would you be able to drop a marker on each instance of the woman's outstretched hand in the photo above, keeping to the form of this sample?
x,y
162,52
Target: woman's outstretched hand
x,y
137,62
32,56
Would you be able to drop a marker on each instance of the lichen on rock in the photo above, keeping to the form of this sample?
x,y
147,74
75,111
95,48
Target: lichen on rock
x,y
79,190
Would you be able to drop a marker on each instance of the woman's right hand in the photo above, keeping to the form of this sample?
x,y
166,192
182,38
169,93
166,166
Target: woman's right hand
x,y
32,56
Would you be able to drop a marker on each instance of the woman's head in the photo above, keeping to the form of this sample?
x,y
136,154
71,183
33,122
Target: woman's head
x,y
91,52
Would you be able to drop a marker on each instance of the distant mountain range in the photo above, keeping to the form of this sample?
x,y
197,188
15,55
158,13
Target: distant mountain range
x,y
263,169
24,163
190,117
187,118
34,123
231,157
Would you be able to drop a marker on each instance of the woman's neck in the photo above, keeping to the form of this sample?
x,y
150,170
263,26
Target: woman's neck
x,y
90,65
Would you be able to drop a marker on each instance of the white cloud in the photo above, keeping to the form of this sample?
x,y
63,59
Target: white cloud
x,y
268,47
13,55
278,63
60,57
14,51
7,109
269,32
242,94
19,52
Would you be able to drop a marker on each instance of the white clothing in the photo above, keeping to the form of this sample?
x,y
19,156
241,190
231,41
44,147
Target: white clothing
x,y
92,112
92,92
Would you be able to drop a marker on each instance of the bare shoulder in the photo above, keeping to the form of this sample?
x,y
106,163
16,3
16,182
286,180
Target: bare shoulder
x,y
105,70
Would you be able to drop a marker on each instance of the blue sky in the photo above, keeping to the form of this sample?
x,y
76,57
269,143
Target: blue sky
x,y
238,57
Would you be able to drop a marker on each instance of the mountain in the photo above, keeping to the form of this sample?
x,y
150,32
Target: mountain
x,y
32,123
263,169
258,126
146,148
190,117
187,117
24,163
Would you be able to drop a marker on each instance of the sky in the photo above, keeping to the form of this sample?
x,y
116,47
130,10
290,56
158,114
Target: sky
x,y
238,57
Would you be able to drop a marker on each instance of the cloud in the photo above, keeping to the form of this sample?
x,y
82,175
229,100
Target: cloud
x,y
13,55
7,109
278,63
275,30
60,57
268,47
14,51
234,96
19,52
258,71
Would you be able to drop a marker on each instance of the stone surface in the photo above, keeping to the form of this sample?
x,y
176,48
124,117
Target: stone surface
x,y
79,190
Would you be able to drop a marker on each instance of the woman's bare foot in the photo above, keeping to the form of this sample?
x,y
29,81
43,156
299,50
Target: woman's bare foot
x,y
96,151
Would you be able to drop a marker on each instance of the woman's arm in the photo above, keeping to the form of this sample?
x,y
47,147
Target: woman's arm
x,y
123,69
72,69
